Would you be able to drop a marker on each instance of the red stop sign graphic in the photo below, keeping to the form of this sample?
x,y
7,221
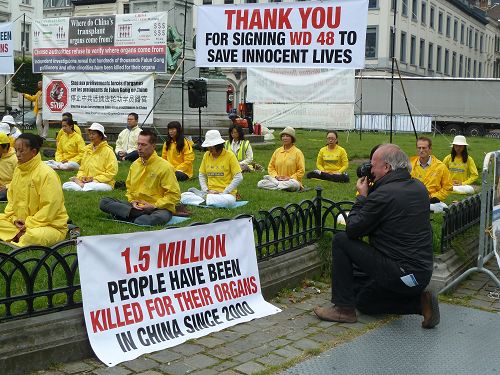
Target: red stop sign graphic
x,y
56,96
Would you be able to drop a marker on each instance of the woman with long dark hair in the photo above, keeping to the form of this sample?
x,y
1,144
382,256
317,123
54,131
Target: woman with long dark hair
x,y
240,147
178,151
332,161
461,166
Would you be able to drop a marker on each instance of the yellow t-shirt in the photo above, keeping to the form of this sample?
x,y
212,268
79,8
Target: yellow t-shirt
x,y
463,173
181,161
220,171
332,160
289,163
70,147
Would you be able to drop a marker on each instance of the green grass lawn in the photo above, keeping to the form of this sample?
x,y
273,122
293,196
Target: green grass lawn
x,y
83,208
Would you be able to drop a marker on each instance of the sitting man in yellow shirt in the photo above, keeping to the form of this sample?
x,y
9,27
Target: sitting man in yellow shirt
x,y
8,162
431,171
152,189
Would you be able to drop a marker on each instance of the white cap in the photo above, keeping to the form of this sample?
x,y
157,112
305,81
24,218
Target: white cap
x,y
459,140
212,138
4,128
98,127
9,120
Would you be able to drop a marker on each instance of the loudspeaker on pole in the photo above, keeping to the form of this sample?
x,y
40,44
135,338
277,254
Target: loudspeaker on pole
x,y
197,93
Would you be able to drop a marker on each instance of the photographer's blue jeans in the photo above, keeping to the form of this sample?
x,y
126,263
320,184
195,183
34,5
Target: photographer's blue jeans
x,y
381,290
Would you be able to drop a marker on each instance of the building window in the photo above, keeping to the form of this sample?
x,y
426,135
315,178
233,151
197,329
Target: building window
x,y
26,2
474,68
430,56
404,7
468,67
371,4
448,26
431,17
402,52
480,70
228,1
454,64
440,22
371,42
438,59
470,37
475,40
126,8
414,10
455,30
413,50
460,66
481,43
423,13
421,60
251,1
393,5
392,50
207,2
446,61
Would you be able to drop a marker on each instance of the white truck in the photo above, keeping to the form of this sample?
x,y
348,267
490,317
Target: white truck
x,y
469,106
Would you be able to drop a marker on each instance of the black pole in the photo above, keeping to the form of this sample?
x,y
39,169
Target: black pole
x,y
361,104
199,129
183,64
23,48
406,100
393,52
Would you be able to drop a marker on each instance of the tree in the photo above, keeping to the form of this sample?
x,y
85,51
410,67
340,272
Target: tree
x,y
25,80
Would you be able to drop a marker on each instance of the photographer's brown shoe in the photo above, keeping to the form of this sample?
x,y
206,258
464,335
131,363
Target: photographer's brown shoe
x,y
430,309
336,314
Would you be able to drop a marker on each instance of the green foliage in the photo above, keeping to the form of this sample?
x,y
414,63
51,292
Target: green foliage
x,y
25,81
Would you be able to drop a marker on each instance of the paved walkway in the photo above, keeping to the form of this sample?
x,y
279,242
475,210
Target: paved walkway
x,y
272,344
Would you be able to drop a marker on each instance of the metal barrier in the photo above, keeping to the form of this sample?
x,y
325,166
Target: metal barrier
x,y
485,238
458,218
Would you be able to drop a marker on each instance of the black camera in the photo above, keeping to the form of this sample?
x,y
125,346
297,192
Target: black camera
x,y
365,170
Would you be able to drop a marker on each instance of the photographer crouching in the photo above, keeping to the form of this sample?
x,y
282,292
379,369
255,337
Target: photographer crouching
x,y
393,211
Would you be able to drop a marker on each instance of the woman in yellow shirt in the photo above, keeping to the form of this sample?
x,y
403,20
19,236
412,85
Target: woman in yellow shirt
x,y
461,166
99,165
219,175
286,167
332,161
70,148
178,151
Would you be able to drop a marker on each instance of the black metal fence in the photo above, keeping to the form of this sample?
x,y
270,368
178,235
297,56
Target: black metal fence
x,y
458,218
37,280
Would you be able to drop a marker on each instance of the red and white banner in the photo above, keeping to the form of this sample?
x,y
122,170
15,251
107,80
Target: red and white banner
x,y
112,43
6,49
328,34
148,291
98,96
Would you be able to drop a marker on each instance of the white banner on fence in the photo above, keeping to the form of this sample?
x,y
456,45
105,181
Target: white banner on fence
x,y
300,85
98,96
496,209
402,123
148,291
289,35
305,115
111,43
6,49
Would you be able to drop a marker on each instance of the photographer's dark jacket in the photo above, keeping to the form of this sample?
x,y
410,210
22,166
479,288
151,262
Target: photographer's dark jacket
x,y
395,216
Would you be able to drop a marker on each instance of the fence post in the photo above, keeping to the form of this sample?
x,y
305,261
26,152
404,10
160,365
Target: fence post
x,y
318,205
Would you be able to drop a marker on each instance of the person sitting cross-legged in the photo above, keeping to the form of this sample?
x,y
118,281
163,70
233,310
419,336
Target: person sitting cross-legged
x,y
70,148
8,163
462,168
178,151
219,175
332,161
35,213
99,165
286,167
152,189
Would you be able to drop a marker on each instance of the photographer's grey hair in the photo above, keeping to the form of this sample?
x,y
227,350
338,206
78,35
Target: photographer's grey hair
x,y
395,157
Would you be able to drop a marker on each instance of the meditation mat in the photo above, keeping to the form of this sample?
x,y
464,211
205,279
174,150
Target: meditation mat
x,y
235,205
174,220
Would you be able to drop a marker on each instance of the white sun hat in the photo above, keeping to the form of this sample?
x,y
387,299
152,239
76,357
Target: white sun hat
x,y
98,127
9,120
459,140
4,128
212,138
